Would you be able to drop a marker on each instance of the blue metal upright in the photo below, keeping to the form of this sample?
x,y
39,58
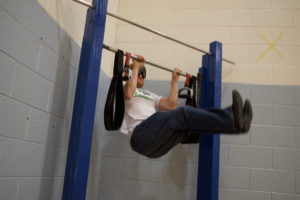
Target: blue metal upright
x,y
209,148
76,175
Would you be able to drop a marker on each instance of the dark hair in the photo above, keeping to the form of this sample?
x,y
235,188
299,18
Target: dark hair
x,y
142,71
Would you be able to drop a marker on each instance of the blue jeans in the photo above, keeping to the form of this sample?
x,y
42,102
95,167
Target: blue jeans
x,y
159,133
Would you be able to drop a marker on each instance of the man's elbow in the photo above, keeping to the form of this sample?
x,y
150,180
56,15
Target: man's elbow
x,y
128,96
172,107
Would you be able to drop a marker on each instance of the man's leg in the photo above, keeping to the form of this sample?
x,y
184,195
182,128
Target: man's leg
x,y
159,133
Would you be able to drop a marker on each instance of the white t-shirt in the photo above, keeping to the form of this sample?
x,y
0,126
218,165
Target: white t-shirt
x,y
141,106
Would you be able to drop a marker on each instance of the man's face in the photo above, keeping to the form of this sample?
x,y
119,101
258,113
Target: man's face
x,y
140,81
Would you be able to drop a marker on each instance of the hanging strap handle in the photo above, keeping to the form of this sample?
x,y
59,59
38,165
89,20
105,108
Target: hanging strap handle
x,y
115,98
126,76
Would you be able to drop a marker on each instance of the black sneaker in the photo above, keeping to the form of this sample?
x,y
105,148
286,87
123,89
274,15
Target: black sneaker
x,y
237,108
247,116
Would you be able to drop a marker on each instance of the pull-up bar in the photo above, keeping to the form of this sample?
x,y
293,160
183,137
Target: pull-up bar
x,y
152,31
147,62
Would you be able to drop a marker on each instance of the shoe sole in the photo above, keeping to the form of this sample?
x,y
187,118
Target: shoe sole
x,y
248,120
237,108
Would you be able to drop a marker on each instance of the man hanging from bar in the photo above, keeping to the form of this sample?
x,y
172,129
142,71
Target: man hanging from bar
x,y
154,125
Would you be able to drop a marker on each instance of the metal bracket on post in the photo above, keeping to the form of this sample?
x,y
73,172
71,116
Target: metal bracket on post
x,y
209,148
77,167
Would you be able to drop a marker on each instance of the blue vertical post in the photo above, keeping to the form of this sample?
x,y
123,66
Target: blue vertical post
x,y
209,148
76,174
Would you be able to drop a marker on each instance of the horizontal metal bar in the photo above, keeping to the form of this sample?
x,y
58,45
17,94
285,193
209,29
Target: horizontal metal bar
x,y
147,62
164,36
153,31
85,3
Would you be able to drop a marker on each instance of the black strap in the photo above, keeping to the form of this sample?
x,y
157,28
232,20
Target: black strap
x,y
115,97
193,98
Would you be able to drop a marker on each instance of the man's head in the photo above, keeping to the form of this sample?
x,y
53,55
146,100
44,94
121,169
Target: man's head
x,y
141,77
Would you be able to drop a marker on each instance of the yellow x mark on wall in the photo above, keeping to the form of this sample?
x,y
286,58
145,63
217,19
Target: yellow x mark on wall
x,y
271,46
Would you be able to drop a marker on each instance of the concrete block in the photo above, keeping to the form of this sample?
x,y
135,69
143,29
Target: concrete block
x,y
298,182
276,136
279,196
273,17
182,153
232,17
18,42
170,191
247,195
297,18
8,68
251,74
49,63
60,103
262,114
234,178
293,4
55,69
150,190
35,188
35,18
209,34
31,88
222,194
113,146
211,4
251,4
54,36
57,188
286,74
16,8
185,174
252,157
242,54
272,95
285,56
127,33
244,90
272,180
290,36
297,95
193,17
8,188
250,35
46,129
175,4
286,159
224,154
297,136
19,158
286,115
190,192
52,162
118,189
141,170
13,118
235,139
296,58
110,167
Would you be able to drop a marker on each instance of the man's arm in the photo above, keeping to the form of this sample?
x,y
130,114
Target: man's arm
x,y
170,103
130,86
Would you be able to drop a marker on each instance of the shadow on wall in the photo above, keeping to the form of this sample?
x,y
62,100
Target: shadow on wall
x,y
54,159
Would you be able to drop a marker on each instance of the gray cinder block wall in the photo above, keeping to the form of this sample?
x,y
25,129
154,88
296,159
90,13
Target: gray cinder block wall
x,y
263,164
38,71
